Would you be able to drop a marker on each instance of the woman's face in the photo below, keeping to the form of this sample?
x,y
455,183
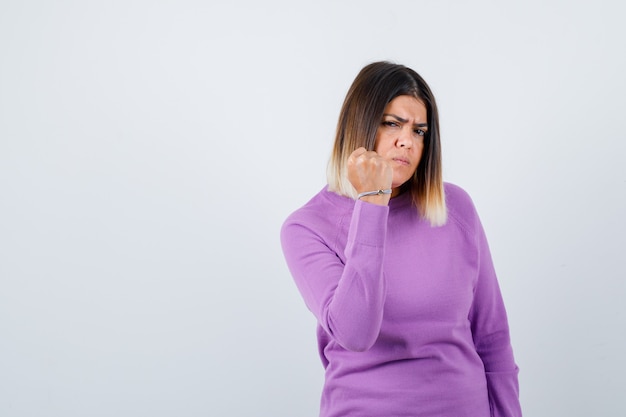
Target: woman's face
x,y
400,137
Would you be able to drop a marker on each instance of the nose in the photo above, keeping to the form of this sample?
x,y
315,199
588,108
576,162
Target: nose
x,y
405,138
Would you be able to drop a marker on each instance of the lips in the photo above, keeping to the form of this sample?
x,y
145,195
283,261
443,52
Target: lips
x,y
401,161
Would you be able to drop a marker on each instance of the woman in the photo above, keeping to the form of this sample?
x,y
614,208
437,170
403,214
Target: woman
x,y
396,268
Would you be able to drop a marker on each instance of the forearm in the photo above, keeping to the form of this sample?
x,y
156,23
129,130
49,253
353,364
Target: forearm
x,y
345,291
354,313
490,330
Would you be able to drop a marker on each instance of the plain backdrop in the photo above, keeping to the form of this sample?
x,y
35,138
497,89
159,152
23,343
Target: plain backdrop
x,y
150,151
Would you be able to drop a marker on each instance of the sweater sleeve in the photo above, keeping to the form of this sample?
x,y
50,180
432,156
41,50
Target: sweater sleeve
x,y
490,331
347,299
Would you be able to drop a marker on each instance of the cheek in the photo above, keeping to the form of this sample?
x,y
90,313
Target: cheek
x,y
420,149
419,154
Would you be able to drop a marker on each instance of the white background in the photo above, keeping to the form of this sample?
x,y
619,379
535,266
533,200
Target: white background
x,y
150,150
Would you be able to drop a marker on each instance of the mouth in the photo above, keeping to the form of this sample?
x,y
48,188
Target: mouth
x,y
401,161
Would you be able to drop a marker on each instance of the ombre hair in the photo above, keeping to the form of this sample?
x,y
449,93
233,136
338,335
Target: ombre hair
x,y
360,117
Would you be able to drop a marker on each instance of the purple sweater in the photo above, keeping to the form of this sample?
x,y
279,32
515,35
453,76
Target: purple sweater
x,y
410,317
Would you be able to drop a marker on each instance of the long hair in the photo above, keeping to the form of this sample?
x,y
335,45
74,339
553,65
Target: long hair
x,y
360,117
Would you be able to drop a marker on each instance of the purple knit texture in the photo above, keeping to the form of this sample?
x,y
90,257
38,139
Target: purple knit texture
x,y
410,317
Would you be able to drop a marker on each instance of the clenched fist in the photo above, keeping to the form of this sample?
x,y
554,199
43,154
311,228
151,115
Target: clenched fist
x,y
368,171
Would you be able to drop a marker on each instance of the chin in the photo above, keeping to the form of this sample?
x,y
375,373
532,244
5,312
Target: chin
x,y
396,184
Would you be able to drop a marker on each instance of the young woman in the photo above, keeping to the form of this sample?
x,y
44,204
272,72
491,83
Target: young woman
x,y
394,264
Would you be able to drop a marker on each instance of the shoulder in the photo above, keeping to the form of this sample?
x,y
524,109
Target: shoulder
x,y
460,207
321,215
457,198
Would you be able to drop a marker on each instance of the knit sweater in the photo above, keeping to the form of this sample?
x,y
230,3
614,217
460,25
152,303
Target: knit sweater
x,y
410,317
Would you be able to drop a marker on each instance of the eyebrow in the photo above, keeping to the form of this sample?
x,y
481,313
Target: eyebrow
x,y
402,120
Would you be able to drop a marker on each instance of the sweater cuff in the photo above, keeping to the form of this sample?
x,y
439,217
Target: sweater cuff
x,y
368,225
504,393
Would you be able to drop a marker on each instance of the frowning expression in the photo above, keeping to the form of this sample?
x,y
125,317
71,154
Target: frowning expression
x,y
400,137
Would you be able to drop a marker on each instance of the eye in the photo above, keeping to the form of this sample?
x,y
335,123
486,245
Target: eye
x,y
419,132
389,123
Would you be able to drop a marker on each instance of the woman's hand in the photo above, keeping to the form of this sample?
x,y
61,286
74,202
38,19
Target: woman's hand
x,y
368,171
